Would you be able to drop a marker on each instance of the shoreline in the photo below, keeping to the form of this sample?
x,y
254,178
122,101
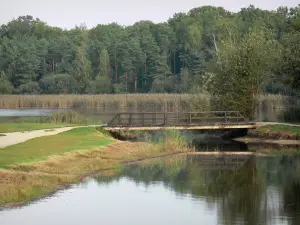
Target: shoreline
x,y
81,179
24,182
122,163
259,140
59,170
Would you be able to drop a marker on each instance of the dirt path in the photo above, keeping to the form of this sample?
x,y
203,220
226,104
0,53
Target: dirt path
x,y
13,138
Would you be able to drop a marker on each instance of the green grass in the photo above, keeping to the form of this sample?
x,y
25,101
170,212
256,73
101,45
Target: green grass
x,y
18,127
277,132
292,129
40,148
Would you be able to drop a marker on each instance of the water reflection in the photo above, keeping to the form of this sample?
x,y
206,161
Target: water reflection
x,y
184,189
248,190
26,112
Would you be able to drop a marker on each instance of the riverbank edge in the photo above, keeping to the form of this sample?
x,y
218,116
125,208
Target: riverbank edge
x,y
81,178
274,133
142,148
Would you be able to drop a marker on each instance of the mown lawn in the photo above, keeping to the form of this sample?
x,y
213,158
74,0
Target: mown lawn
x,y
40,148
19,127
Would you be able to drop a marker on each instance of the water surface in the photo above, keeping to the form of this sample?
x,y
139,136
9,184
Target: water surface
x,y
182,189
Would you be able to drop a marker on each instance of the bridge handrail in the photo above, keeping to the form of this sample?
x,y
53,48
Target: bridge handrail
x,y
180,118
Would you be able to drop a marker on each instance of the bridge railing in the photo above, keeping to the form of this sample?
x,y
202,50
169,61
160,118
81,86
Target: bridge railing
x,y
176,119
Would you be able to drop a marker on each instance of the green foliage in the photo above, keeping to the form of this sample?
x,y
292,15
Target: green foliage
x,y
29,88
82,68
59,84
5,85
175,56
241,68
291,115
101,85
290,67
104,68
176,138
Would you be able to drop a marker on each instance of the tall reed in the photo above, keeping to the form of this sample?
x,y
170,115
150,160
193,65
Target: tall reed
x,y
268,108
68,116
148,102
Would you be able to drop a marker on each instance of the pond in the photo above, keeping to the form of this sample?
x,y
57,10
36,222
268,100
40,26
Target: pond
x,y
26,112
182,189
11,115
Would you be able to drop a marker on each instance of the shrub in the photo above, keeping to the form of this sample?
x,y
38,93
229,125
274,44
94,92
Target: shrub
x,y
5,87
59,84
29,88
291,115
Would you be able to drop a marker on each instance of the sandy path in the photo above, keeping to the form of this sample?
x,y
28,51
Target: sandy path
x,y
13,138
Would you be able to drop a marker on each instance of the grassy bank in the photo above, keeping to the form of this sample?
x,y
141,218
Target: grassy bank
x,y
40,166
286,132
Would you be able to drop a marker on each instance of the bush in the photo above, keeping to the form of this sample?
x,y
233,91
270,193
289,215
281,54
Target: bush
x,y
291,115
59,84
29,88
5,87
102,85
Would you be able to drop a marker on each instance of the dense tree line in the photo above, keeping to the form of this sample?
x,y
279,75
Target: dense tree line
x,y
191,52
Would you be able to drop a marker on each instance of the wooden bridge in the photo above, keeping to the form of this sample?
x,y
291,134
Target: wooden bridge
x,y
211,120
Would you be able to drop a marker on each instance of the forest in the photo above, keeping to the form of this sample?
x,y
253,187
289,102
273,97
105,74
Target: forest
x,y
206,50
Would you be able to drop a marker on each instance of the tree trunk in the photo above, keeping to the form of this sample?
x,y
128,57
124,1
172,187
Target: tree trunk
x,y
136,80
174,58
116,67
253,103
53,65
126,82
215,44
145,66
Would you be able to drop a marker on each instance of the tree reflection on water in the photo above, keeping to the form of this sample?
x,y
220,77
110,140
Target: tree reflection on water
x,y
246,189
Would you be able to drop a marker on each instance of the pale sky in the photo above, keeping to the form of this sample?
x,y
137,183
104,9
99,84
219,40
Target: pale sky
x,y
68,13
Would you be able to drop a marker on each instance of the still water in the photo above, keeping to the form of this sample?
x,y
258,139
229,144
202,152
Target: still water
x,y
183,189
26,112
8,115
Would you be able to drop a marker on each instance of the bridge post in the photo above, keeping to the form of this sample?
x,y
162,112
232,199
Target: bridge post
x,y
143,119
153,119
130,119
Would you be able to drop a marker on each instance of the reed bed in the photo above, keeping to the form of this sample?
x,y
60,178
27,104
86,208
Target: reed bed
x,y
107,101
268,107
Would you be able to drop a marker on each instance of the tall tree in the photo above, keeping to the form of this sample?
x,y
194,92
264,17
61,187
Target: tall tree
x,y
82,68
241,69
